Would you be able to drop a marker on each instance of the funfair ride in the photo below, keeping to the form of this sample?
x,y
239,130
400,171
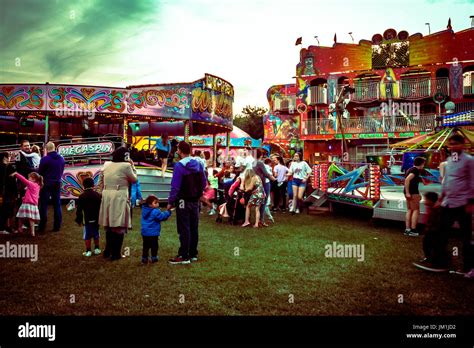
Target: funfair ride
x,y
88,122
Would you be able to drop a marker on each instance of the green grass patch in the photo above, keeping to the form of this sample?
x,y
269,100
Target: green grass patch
x,y
242,271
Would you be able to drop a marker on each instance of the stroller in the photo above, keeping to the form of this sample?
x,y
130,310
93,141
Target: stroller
x,y
232,208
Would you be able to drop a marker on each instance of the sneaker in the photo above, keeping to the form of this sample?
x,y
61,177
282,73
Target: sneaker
x,y
428,266
194,259
97,251
178,260
412,233
87,253
154,259
4,232
212,212
407,230
144,260
297,211
470,274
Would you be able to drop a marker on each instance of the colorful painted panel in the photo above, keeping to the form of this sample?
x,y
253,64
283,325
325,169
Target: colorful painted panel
x,y
165,101
352,183
211,106
73,177
142,142
207,100
281,127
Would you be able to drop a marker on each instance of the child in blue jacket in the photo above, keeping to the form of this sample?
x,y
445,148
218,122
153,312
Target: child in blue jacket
x,y
151,227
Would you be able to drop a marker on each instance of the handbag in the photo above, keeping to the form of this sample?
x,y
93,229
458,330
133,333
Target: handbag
x,y
223,210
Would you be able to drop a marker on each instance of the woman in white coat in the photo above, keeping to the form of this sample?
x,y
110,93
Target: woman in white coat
x,y
115,215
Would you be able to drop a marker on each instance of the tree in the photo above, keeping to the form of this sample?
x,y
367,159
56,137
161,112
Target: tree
x,y
250,120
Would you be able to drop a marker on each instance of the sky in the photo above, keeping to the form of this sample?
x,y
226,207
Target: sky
x,y
250,43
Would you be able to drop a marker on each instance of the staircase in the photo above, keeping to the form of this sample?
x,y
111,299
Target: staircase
x,y
317,198
152,183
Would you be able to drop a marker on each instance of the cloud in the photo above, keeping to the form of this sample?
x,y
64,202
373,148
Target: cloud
x,y
66,40
250,43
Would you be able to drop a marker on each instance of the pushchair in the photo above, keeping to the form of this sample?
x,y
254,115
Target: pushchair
x,y
232,209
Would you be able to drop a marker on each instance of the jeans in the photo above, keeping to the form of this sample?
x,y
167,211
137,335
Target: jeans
x,y
150,242
448,217
52,191
187,220
280,194
266,188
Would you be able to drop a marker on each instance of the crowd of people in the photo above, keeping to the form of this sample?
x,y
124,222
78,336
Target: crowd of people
x,y
238,189
28,183
454,204
262,184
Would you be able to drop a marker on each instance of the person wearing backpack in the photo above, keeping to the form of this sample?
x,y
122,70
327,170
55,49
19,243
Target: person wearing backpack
x,y
187,186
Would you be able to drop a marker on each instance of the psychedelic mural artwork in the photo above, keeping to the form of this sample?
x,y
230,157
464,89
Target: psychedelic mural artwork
x,y
21,97
208,100
73,178
162,101
85,99
281,127
212,99
389,86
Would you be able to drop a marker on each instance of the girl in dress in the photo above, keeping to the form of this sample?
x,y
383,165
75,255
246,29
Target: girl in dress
x,y
29,207
253,188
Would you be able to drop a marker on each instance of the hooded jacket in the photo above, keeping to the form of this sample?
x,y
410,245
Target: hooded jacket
x,y
51,168
151,219
188,182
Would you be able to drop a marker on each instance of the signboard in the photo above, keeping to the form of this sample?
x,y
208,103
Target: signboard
x,y
212,106
379,135
219,85
86,149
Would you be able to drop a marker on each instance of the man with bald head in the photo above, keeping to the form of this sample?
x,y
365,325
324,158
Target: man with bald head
x,y
51,168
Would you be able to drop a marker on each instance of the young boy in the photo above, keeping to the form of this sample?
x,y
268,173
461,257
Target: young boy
x,y
432,261
412,195
214,183
151,227
87,214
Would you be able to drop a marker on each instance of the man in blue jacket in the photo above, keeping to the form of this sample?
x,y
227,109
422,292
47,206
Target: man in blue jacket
x,y
187,186
51,168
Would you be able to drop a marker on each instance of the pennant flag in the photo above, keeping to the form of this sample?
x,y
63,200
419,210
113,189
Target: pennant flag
x,y
299,41
335,38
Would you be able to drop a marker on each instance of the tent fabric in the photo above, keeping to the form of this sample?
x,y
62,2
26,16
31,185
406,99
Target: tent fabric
x,y
433,140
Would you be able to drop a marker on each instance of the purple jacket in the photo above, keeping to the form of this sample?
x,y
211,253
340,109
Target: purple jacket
x,y
51,168
188,182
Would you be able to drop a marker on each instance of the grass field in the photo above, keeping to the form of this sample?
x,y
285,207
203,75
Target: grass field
x,y
281,270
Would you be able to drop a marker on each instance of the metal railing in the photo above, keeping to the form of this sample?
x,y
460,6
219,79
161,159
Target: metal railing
x,y
365,91
368,125
405,88
284,104
464,106
416,88
467,90
318,95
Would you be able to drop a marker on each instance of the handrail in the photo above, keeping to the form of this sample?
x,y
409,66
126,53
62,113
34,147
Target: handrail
x,y
367,125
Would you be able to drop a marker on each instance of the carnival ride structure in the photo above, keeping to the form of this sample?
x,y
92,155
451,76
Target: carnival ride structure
x,y
378,184
78,118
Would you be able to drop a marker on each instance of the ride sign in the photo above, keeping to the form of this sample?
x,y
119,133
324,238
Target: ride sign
x,y
86,149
